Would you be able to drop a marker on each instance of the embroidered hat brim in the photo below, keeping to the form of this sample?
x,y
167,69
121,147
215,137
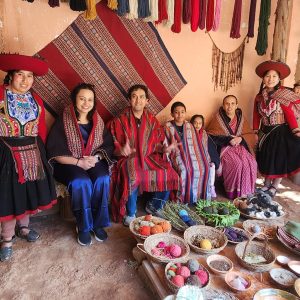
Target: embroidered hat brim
x,y
10,62
280,67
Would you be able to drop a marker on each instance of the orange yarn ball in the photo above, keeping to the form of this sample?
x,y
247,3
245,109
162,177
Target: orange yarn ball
x,y
156,229
166,226
145,230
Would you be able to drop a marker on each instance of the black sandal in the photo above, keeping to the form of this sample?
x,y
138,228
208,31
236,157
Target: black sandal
x,y
272,194
31,236
6,252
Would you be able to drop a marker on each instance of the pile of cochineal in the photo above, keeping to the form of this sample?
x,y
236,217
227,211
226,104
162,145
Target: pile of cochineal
x,y
191,273
149,225
170,251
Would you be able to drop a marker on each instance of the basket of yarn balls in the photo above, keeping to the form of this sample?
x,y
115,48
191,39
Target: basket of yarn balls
x,y
165,248
189,272
205,239
144,226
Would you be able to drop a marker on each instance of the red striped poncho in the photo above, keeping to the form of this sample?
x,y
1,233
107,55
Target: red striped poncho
x,y
147,170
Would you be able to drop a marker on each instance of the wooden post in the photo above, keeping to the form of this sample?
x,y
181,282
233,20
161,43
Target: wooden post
x,y
297,73
282,30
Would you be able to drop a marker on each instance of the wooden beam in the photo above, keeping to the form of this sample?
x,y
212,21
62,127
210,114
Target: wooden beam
x,y
282,30
297,73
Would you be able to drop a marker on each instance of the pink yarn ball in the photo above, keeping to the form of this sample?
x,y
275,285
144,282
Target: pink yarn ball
x,y
178,280
175,250
161,245
203,276
155,252
183,271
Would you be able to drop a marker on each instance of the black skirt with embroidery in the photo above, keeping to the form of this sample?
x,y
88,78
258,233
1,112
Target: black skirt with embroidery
x,y
278,153
18,199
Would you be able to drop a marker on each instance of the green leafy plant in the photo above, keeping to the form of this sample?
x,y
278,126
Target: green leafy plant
x,y
222,214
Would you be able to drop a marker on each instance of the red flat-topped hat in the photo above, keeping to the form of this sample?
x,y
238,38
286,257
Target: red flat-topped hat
x,y
10,62
278,66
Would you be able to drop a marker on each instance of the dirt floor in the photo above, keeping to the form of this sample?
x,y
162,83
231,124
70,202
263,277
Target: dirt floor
x,y
57,267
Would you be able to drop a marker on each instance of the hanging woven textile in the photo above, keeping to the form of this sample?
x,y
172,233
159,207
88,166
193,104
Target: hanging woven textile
x,y
170,11
210,15
236,20
217,16
176,27
262,36
227,67
251,18
186,11
123,7
202,14
195,15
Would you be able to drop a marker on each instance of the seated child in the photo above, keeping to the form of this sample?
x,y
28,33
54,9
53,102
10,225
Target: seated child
x,y
190,159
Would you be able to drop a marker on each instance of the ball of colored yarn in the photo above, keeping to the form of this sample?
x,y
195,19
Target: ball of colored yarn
x,y
145,230
193,265
178,265
185,218
175,250
178,280
194,280
183,271
183,212
203,276
161,245
148,217
165,225
156,229
171,273
155,252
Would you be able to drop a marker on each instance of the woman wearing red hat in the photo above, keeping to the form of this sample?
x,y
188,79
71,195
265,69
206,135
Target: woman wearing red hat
x,y
276,110
26,182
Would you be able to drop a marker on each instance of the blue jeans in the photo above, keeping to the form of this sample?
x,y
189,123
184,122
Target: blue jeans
x,y
156,201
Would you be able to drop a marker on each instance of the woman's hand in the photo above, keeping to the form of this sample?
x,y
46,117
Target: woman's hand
x,y
172,147
87,162
296,132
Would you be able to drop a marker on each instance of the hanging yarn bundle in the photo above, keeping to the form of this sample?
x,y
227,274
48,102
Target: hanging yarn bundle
x,y
176,27
236,20
251,19
162,11
202,14
262,36
143,8
90,13
112,4
123,7
227,67
78,5
195,15
210,15
53,3
186,11
217,16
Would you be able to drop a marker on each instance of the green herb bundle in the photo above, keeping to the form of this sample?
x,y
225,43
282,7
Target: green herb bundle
x,y
216,213
171,213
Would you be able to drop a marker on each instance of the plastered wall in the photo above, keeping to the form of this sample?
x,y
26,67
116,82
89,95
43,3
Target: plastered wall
x,y
28,27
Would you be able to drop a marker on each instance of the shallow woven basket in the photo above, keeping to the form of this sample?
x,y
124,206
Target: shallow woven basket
x,y
152,241
139,237
259,248
174,288
207,232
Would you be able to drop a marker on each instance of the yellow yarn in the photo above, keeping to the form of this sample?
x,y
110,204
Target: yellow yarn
x,y
90,13
112,4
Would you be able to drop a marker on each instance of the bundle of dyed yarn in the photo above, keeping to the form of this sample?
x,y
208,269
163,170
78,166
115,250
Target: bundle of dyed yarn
x,y
170,251
186,218
191,273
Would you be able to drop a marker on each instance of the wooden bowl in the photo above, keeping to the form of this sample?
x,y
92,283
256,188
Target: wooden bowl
x,y
232,275
217,257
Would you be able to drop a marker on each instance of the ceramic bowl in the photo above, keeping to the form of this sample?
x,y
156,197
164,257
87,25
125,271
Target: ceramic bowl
x,y
232,275
216,257
282,260
294,265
